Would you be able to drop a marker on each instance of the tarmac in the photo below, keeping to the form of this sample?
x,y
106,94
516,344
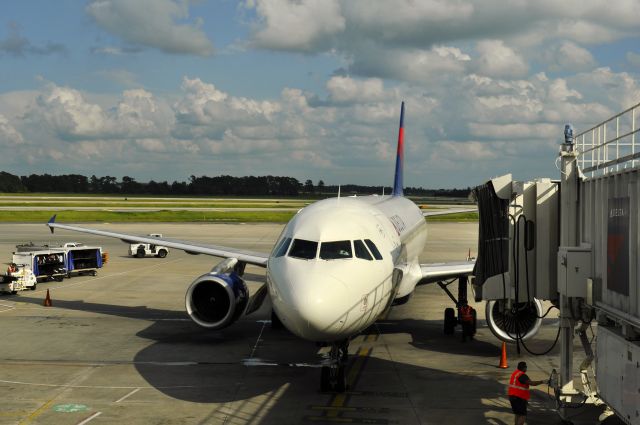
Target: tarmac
x,y
119,348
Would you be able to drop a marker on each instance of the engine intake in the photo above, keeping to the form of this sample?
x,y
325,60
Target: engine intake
x,y
522,320
216,300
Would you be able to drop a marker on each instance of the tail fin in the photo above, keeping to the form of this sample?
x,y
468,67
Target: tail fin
x,y
397,183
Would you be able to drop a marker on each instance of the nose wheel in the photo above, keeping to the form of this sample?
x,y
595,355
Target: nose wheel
x,y
333,378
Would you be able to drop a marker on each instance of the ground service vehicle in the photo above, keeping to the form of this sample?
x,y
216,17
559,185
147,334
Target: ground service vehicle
x,y
141,250
21,279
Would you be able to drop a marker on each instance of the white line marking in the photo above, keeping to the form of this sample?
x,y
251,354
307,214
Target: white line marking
x,y
8,306
95,415
101,386
255,347
128,395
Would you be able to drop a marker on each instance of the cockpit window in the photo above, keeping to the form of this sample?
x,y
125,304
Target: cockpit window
x,y
282,248
373,249
335,250
303,249
361,250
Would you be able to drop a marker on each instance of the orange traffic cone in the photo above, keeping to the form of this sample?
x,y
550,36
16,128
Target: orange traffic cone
x,y
503,357
47,300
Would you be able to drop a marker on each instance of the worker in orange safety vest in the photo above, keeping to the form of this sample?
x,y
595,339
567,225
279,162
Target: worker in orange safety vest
x,y
519,392
466,320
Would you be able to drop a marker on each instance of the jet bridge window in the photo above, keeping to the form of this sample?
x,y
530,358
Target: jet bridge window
x,y
373,248
303,249
361,250
283,247
335,250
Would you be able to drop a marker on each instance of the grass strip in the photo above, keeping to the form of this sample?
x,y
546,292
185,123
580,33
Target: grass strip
x,y
465,216
144,217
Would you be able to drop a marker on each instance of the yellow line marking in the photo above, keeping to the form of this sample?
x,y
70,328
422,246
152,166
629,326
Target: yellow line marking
x,y
339,400
38,411
363,353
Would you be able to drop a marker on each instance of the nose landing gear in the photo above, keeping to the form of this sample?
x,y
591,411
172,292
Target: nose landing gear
x,y
333,378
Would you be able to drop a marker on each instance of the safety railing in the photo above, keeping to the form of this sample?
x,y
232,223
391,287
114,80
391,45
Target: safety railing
x,y
611,145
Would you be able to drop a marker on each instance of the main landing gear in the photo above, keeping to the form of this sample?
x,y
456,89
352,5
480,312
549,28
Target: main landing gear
x,y
333,377
451,318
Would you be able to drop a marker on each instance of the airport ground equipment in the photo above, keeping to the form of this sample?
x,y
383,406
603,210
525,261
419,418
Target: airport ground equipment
x,y
141,250
44,261
82,259
19,280
581,252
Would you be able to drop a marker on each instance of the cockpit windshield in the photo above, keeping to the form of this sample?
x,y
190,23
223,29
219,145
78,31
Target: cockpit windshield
x,y
303,249
335,250
283,247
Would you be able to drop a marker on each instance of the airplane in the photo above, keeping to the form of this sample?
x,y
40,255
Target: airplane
x,y
338,266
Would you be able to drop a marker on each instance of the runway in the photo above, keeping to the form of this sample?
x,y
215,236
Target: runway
x,y
119,347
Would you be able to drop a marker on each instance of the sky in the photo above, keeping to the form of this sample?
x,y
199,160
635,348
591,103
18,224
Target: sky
x,y
165,89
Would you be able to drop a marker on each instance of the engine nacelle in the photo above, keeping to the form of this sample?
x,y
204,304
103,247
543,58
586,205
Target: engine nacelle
x,y
216,300
522,320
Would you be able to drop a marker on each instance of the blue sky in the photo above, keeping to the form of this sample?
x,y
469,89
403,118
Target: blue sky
x,y
163,89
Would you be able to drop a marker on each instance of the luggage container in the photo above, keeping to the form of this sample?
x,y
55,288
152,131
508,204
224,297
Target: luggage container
x,y
45,262
82,259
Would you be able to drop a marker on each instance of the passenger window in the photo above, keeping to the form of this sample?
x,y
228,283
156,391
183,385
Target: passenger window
x,y
373,249
335,250
283,247
361,251
303,249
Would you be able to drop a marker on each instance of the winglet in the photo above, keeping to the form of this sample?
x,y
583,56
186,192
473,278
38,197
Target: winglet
x,y
397,183
51,221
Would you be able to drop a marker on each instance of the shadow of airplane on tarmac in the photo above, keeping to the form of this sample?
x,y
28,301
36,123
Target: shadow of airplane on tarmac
x,y
189,363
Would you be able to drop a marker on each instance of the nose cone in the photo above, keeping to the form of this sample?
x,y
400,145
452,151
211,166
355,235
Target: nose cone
x,y
312,305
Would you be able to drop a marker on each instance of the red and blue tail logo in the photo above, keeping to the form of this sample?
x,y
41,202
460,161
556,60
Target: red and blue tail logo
x,y
397,182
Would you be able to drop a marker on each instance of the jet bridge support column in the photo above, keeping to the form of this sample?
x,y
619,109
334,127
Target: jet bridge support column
x,y
568,238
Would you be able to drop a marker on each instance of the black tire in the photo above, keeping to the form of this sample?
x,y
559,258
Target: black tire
x,y
276,323
33,288
59,278
341,380
140,252
69,275
449,321
94,273
162,253
14,292
324,379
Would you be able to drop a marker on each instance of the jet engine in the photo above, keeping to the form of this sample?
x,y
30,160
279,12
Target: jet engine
x,y
216,300
519,320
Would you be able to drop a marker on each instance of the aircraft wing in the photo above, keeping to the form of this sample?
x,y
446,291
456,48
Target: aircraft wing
x,y
448,211
437,272
249,257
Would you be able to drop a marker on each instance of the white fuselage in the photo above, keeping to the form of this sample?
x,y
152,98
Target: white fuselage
x,y
325,278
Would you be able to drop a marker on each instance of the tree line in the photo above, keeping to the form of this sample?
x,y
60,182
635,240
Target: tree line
x,y
203,185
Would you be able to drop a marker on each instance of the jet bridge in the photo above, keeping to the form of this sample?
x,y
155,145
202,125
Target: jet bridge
x,y
574,242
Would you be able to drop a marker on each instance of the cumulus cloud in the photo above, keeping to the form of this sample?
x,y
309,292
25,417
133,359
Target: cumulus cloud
x,y
69,116
152,23
568,56
297,26
400,39
463,127
346,89
498,60
9,136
